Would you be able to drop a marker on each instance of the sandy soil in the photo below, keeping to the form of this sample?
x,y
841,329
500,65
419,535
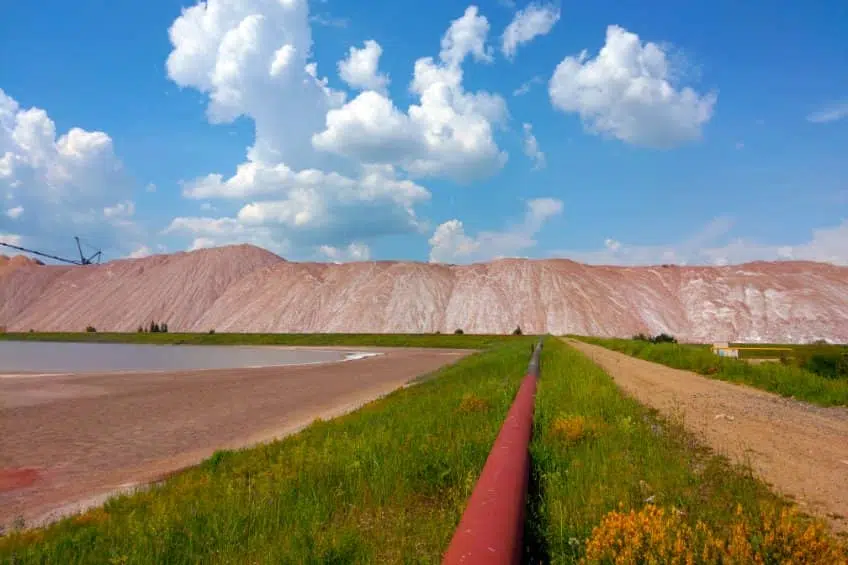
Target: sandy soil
x,y
798,448
67,440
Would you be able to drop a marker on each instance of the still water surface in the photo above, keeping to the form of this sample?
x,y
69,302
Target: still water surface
x,y
45,357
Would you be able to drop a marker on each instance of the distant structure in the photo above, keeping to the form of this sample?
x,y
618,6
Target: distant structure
x,y
83,260
723,349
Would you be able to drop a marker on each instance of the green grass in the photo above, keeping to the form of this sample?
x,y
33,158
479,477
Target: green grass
x,y
785,380
388,483
378,340
595,450
385,484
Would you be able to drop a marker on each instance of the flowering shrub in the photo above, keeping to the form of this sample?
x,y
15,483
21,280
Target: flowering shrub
x,y
654,535
572,429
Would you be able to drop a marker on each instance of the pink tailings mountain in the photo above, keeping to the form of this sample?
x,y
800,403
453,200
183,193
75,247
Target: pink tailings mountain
x,y
247,289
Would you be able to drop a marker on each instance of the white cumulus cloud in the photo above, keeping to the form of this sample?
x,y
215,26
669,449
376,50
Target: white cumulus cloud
x,y
531,148
529,23
466,35
139,252
120,210
311,207
253,58
356,251
629,92
360,70
449,133
451,244
11,239
212,232
710,245
62,181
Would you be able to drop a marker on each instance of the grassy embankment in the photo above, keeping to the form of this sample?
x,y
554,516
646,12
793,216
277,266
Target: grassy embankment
x,y
614,481
786,380
451,341
386,483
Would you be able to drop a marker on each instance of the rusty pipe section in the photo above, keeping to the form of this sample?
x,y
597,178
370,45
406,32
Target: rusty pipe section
x,y
491,530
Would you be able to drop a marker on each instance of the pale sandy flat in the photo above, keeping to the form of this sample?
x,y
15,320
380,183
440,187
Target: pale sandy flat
x,y
69,439
800,449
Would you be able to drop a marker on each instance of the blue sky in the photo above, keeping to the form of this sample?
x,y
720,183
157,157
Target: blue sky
x,y
702,135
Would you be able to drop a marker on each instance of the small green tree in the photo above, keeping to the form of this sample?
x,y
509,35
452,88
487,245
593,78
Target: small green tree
x,y
163,328
459,331
140,329
517,331
91,329
212,331
664,338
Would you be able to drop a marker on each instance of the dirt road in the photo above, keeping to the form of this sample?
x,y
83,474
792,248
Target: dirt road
x,y
66,441
802,450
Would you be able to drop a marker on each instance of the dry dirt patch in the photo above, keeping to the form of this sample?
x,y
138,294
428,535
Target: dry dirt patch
x,y
800,449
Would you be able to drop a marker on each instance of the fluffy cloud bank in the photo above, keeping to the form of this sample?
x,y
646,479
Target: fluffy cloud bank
x,y
354,252
252,59
828,245
448,133
628,91
56,184
450,243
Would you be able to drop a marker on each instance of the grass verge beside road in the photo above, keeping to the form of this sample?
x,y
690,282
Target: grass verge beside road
x,y
785,380
448,341
612,481
384,484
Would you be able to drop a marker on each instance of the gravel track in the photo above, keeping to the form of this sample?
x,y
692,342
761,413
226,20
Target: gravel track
x,y
798,448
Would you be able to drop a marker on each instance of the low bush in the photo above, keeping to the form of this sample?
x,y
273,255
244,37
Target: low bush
x,y
661,338
831,364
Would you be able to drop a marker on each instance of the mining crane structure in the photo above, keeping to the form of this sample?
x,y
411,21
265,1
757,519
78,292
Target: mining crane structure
x,y
83,260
